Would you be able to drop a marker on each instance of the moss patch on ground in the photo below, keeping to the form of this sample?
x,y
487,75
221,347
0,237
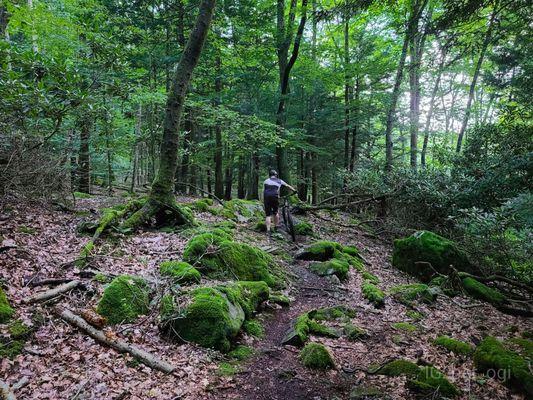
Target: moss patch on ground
x,y
492,357
241,352
409,293
254,328
431,382
354,333
316,356
404,327
6,311
243,210
180,272
455,346
124,299
373,294
303,228
413,254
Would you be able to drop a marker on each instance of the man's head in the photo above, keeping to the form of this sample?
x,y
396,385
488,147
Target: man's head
x,y
273,172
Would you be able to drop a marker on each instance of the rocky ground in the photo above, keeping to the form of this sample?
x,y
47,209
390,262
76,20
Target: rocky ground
x,y
59,362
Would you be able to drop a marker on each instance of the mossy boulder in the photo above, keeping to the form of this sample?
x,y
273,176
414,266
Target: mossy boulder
x,y
336,267
425,253
322,250
316,356
409,293
243,210
373,294
180,272
429,381
201,205
482,292
124,299
398,368
303,228
492,357
455,346
354,333
213,316
332,313
6,311
214,254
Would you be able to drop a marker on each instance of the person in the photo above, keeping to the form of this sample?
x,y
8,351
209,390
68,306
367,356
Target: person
x,y
271,188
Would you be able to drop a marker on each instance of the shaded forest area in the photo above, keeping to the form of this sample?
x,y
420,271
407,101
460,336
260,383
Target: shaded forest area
x,y
134,140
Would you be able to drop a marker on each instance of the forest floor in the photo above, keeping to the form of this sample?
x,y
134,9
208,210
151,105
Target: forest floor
x,y
60,362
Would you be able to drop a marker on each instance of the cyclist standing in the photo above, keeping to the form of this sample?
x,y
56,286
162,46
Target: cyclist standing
x,y
271,189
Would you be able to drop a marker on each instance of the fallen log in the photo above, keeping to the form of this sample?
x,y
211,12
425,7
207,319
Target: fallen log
x,y
53,292
115,343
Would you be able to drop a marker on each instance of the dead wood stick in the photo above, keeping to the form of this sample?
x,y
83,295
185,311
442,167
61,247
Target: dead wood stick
x,y
117,344
47,281
53,292
5,391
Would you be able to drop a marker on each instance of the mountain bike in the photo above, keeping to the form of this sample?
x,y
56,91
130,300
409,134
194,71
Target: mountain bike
x,y
288,221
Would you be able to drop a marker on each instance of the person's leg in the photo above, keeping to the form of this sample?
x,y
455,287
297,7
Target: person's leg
x,y
268,223
276,220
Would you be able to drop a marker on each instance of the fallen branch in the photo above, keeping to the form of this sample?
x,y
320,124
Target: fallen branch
x,y
47,281
115,343
53,292
498,278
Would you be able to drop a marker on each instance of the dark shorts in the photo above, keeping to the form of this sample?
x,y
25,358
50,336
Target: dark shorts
x,y
271,205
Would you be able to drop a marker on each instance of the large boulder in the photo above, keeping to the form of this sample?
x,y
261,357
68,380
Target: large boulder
x,y
213,316
216,255
124,299
424,254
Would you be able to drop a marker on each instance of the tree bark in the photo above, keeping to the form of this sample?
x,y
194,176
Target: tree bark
x,y
219,182
228,177
347,92
253,187
355,123
241,188
84,160
485,45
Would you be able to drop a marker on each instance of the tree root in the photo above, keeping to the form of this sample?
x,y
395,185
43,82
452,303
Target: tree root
x,y
166,213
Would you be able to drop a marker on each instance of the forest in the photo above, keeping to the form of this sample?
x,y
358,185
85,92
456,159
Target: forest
x,y
139,254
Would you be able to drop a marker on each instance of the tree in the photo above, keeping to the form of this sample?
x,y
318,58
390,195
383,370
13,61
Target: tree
x,y
161,196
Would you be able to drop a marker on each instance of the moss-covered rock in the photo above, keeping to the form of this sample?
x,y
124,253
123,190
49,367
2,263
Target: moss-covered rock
x,y
243,210
316,356
481,291
455,346
431,382
201,205
353,332
322,250
180,271
413,254
492,357
332,313
303,228
280,298
6,312
373,294
398,368
409,293
124,299
215,255
336,267
213,316
298,333
316,328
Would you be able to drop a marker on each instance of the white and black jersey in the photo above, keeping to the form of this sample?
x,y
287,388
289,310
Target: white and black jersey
x,y
272,186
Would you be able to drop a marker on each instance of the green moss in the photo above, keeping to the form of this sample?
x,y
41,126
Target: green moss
x,y
481,291
226,369
280,299
241,352
404,326
367,276
407,294
428,247
228,226
213,316
316,356
124,299
339,268
167,307
303,228
201,205
373,294
455,346
319,329
524,347
6,312
253,328
350,250
399,368
332,313
243,210
27,230
492,357
353,332
180,272
18,330
99,277
430,381
81,195
216,256
11,348
260,226
322,250
415,315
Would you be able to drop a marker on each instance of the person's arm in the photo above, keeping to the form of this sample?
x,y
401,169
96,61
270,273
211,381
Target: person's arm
x,y
283,183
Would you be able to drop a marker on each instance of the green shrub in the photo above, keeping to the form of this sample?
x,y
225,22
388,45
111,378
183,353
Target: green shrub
x,y
316,356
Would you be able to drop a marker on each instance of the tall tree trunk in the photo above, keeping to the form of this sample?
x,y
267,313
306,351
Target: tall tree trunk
x,y
241,188
432,105
392,106
355,123
84,159
485,45
185,158
161,196
253,186
228,177
347,92
219,182
284,40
